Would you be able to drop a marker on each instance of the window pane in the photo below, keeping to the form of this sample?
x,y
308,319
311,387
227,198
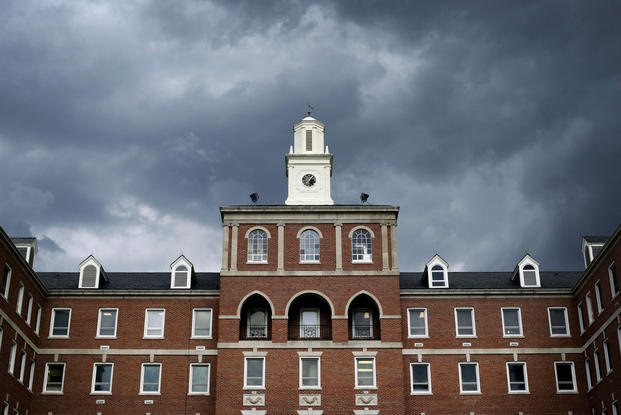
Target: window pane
x,y
517,380
417,322
469,377
202,323
361,244
530,277
254,371
366,376
89,276
557,321
61,323
310,372
54,378
257,246
512,321
181,276
565,377
155,322
200,378
420,380
103,377
465,325
107,322
151,378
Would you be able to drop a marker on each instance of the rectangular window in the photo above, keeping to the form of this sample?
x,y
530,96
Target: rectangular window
x,y
614,281
199,379
310,373
38,320
417,322
20,299
31,376
150,378
557,317
309,140
154,322
365,372
469,378
102,378
29,310
201,323
589,305
420,378
54,378
106,322
598,372
12,357
22,367
6,281
607,358
464,322
580,319
517,377
61,320
511,322
254,373
565,377
615,408
587,370
598,297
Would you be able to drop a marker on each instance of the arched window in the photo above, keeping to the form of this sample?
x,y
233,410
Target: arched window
x,y
89,276
361,246
530,276
257,246
438,276
309,246
181,277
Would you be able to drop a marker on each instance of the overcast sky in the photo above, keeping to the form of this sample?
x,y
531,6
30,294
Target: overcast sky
x,y
495,126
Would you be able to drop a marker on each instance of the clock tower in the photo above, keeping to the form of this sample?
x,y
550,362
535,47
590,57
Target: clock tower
x,y
309,165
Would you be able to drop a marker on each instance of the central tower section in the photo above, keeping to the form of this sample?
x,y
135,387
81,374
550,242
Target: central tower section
x,y
309,165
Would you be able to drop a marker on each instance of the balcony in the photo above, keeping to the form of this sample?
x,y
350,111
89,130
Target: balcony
x,y
363,319
256,319
255,332
310,318
310,331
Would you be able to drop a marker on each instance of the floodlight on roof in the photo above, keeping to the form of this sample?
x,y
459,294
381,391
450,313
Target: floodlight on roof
x,y
254,197
364,197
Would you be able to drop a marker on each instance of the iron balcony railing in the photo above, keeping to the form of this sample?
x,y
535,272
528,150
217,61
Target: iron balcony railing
x,y
255,332
364,332
308,332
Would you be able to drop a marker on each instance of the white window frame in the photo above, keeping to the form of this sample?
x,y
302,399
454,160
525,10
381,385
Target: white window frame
x,y
573,374
257,258
367,256
607,363
20,299
303,243
357,384
146,322
598,369
38,319
598,297
254,387
580,317
116,320
95,365
159,383
29,309
194,335
31,375
525,370
415,336
461,383
188,271
587,370
52,320
474,324
62,382
190,384
612,280
83,265
429,390
504,327
527,260
12,358
310,387
567,329
22,367
589,305
7,287
437,261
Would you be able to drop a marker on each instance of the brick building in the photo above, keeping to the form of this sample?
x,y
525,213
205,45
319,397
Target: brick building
x,y
310,314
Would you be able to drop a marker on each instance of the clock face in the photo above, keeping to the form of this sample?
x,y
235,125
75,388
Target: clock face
x,y
308,180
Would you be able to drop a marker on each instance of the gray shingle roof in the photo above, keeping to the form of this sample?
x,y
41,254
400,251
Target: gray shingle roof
x,y
128,281
489,280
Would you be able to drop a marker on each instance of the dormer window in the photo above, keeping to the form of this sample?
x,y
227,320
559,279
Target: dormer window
x,y
91,273
528,270
181,273
437,272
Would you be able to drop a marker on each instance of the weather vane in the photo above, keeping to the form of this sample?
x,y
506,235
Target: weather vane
x,y
310,109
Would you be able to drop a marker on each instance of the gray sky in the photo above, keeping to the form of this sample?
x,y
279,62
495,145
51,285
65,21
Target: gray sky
x,y
494,125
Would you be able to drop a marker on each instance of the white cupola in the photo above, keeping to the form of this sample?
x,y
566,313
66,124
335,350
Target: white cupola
x,y
309,165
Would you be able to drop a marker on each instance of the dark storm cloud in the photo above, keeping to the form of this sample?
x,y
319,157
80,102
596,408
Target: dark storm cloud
x,y
494,125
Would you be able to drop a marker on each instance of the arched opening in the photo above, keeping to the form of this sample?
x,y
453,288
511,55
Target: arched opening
x,y
255,321
363,318
310,318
